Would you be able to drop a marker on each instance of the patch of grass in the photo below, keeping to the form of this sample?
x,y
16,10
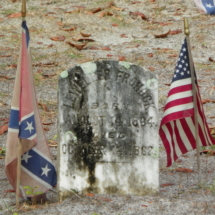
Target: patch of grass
x,y
75,55
8,11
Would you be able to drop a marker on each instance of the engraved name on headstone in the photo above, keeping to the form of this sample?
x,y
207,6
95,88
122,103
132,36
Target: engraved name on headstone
x,y
107,129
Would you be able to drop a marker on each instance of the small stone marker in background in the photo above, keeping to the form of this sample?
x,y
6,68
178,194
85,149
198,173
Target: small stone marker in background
x,y
107,130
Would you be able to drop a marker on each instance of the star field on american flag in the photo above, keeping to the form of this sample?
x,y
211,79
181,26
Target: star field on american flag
x,y
182,69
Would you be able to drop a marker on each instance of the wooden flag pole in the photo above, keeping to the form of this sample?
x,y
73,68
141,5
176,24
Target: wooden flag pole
x,y
19,153
187,32
18,173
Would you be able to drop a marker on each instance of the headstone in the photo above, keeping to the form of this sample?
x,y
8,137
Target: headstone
x,y
107,130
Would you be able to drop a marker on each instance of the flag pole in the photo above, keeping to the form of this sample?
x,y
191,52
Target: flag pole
x,y
187,32
23,12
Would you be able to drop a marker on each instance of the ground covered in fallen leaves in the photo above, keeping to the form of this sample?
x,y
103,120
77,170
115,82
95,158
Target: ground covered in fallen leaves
x,y
148,33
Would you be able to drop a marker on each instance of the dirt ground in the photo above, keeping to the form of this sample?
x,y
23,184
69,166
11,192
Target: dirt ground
x,y
121,31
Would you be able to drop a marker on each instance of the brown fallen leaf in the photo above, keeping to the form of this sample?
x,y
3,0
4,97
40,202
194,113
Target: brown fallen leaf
x,y
119,17
167,184
13,65
162,35
44,107
183,170
163,24
178,31
105,13
48,75
115,25
60,23
204,101
152,69
5,55
3,104
121,58
93,48
1,19
172,55
60,38
49,13
107,200
74,11
211,59
123,35
109,55
2,35
14,15
84,35
89,194
49,46
96,10
83,39
5,77
3,129
47,123
105,48
46,129
208,152
135,15
144,206
50,64
135,2
77,46
150,55
117,8
68,29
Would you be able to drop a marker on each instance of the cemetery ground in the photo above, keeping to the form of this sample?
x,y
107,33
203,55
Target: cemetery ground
x,y
147,33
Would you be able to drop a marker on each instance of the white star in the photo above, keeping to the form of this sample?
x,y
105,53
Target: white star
x,y
182,61
184,69
188,72
185,57
175,76
29,127
182,73
45,170
186,64
179,65
181,54
177,70
25,157
184,49
209,5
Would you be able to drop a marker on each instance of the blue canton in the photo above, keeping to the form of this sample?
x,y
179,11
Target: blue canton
x,y
182,69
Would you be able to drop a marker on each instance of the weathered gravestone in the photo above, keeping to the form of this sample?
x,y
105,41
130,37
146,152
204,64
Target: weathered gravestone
x,y
107,129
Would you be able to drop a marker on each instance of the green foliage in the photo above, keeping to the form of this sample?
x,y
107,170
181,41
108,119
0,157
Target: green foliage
x,y
2,151
31,191
95,214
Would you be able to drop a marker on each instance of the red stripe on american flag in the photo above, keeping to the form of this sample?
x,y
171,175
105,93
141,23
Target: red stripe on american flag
x,y
177,115
179,102
180,89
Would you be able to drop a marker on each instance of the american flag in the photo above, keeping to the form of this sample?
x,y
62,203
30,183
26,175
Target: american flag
x,y
37,168
177,129
207,6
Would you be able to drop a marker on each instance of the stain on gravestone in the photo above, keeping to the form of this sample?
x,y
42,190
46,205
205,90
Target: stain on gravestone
x,y
107,129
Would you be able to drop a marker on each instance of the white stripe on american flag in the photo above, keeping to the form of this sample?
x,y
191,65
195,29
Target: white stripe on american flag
x,y
177,149
178,108
36,178
179,96
168,137
183,136
180,83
